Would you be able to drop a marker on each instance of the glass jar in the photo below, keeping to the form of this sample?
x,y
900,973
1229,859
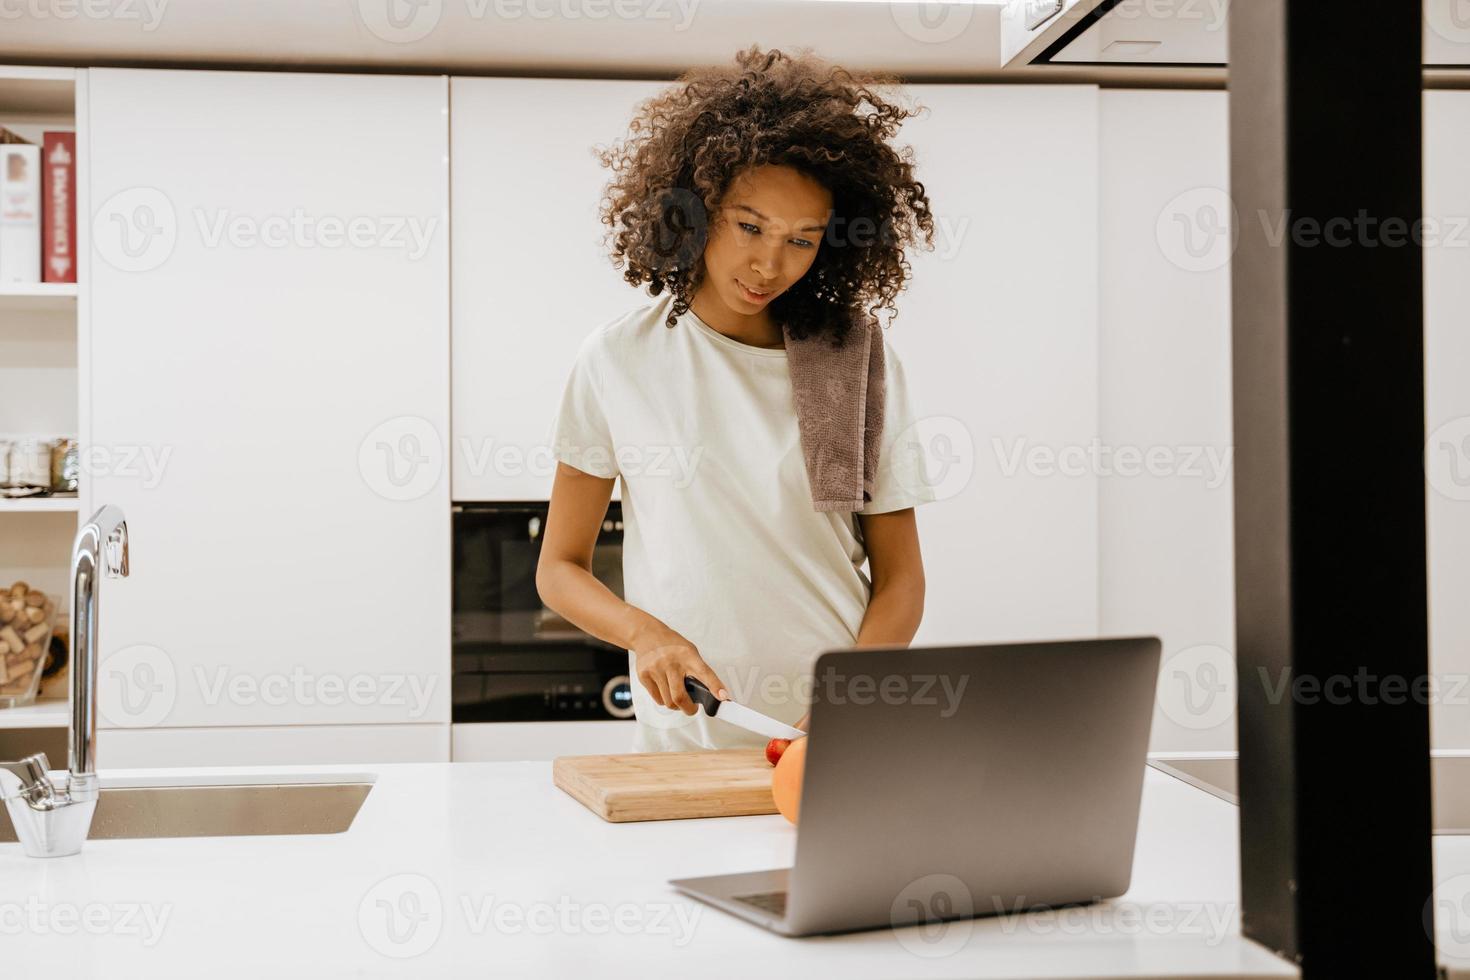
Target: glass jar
x,y
27,616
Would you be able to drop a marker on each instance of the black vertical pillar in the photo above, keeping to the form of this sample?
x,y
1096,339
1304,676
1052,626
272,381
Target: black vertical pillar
x,y
1325,120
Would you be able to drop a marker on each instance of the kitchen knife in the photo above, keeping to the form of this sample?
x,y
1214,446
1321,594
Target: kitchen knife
x,y
738,714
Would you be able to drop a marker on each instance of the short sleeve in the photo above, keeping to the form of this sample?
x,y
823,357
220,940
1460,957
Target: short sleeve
x,y
902,479
581,436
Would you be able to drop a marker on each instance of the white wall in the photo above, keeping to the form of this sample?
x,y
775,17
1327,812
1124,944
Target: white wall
x,y
1164,365
998,332
1165,541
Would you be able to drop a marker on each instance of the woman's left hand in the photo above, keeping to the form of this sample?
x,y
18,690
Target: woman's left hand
x,y
806,720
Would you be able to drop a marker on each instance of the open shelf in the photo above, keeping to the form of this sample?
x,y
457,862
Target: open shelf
x,y
37,714
39,505
58,297
37,91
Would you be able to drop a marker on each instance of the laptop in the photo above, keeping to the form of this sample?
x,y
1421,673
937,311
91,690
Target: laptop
x,y
949,782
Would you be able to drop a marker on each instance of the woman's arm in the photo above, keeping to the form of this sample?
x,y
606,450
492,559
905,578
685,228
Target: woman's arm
x,y
566,584
896,604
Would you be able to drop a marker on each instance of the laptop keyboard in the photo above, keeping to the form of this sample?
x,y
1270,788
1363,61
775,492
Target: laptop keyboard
x,y
773,902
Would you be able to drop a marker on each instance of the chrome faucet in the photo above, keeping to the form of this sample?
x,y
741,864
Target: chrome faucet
x,y
51,821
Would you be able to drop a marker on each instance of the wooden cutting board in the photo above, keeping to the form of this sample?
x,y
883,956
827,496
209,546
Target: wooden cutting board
x,y
668,785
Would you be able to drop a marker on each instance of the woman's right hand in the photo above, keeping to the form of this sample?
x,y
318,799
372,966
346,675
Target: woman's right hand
x,y
663,658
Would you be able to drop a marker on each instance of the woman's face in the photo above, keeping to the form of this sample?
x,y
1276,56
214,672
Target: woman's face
x,y
765,236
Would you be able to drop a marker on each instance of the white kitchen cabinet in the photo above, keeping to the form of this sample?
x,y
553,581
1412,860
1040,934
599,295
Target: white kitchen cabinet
x,y
1447,397
1166,544
524,741
308,745
531,275
269,401
998,333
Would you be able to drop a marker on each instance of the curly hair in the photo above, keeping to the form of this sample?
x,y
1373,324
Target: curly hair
x,y
688,143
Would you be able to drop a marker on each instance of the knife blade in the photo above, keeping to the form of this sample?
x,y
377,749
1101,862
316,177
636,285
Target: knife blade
x,y
738,714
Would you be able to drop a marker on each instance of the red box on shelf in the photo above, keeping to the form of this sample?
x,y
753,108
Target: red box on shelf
x,y
59,207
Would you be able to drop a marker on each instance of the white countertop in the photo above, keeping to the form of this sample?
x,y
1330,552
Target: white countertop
x,y
509,877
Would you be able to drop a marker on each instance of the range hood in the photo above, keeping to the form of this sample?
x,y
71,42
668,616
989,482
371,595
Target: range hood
x,y
1174,36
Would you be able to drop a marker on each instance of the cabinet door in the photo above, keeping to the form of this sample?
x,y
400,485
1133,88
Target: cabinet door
x,y
269,354
531,276
1446,238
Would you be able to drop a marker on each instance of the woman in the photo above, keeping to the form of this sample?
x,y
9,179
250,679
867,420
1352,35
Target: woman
x,y
752,199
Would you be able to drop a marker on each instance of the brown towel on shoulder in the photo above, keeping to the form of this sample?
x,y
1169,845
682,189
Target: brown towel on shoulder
x,y
839,413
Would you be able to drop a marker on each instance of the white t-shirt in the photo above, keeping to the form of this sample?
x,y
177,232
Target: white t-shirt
x,y
720,538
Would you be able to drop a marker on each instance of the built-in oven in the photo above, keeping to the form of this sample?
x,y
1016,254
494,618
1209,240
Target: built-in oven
x,y
513,658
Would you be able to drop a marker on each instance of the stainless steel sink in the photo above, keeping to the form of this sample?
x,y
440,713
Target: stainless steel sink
x,y
1449,772
233,810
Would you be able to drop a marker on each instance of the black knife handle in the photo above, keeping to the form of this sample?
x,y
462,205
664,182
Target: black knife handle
x,y
701,695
